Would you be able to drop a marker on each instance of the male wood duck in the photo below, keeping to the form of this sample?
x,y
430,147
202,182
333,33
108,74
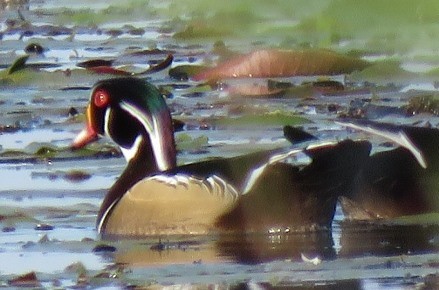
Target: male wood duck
x,y
398,182
257,192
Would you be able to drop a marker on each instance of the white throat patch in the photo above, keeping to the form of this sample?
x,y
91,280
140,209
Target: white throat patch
x,y
155,132
129,153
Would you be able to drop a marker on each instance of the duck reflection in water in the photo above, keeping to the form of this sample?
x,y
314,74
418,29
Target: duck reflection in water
x,y
237,248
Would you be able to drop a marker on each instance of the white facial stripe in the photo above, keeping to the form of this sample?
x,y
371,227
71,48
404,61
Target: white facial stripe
x,y
106,121
155,132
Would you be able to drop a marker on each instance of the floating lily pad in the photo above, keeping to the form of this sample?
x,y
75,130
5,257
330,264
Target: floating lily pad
x,y
185,142
184,72
269,119
19,64
26,280
423,104
384,72
283,63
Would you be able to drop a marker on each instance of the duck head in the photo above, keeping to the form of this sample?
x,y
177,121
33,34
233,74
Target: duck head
x,y
134,115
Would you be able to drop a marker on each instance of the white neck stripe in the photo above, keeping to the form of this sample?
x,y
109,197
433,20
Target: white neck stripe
x,y
154,130
106,121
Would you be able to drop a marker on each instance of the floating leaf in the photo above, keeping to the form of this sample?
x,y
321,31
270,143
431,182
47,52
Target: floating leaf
x,y
109,70
424,104
19,64
161,65
283,63
185,142
254,90
76,176
95,63
383,72
328,86
184,72
270,119
26,280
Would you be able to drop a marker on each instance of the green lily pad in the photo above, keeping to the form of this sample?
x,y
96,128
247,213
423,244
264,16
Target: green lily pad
x,y
19,64
184,72
383,72
276,118
57,79
185,142
425,219
424,104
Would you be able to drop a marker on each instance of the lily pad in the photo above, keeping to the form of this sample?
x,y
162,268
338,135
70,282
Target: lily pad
x,y
383,72
26,280
270,119
185,142
283,63
424,104
19,64
184,72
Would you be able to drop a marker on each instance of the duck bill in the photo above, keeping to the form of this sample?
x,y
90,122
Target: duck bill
x,y
86,136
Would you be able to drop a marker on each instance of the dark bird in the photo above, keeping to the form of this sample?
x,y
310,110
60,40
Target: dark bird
x,y
400,181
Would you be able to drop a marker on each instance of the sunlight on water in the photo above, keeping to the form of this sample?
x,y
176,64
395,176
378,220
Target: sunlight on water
x,y
22,179
50,262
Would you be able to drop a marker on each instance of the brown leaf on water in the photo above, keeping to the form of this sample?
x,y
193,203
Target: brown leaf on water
x,y
283,63
95,63
25,280
76,176
254,90
108,70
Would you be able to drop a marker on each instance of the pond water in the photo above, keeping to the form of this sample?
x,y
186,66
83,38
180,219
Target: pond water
x,y
49,196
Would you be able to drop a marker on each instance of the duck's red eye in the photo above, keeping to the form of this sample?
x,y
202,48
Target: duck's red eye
x,y
101,98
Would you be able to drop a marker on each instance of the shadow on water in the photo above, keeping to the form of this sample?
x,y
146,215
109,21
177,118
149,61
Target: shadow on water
x,y
365,239
348,284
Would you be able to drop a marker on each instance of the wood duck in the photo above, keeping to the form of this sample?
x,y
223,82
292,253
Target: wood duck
x,y
397,182
257,192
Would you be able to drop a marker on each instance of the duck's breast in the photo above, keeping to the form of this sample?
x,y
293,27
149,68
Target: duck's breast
x,y
163,205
